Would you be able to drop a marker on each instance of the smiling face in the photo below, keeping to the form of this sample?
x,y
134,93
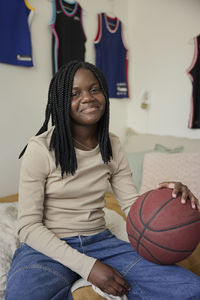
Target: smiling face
x,y
87,100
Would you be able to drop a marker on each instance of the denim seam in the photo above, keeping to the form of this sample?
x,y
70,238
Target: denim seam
x,y
40,267
81,243
125,271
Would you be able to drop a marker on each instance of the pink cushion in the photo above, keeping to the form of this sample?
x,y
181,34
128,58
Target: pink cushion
x,y
183,167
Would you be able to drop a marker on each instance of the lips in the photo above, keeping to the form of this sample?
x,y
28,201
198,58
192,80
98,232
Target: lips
x,y
89,109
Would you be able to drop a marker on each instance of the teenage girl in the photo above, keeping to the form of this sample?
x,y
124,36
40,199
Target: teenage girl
x,y
64,177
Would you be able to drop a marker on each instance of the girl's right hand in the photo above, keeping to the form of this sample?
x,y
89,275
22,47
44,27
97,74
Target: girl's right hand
x,y
108,279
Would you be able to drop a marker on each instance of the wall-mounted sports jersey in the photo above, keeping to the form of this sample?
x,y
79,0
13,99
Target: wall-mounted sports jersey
x,y
68,33
194,73
15,19
111,55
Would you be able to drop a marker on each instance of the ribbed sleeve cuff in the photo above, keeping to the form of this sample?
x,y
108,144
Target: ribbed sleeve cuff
x,y
85,266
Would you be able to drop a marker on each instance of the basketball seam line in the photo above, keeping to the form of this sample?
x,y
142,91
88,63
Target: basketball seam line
x,y
173,250
160,230
129,235
141,234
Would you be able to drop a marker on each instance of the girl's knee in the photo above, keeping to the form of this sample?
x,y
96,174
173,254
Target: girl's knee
x,y
36,282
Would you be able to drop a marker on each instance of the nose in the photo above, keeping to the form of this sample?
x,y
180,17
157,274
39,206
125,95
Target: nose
x,y
87,97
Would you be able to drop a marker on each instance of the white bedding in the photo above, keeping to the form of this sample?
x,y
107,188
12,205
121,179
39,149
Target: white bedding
x,y
9,241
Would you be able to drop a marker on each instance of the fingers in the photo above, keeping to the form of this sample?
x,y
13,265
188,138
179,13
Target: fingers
x,y
198,205
118,286
186,194
179,188
194,202
117,289
108,279
122,286
121,282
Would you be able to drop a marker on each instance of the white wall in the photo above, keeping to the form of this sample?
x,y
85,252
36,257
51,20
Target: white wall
x,y
161,51
23,97
158,34
23,91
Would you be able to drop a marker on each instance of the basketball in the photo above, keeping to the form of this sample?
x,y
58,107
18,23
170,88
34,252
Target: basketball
x,y
162,229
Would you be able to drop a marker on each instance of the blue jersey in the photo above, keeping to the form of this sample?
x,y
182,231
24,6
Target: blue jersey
x,y
111,55
15,18
194,73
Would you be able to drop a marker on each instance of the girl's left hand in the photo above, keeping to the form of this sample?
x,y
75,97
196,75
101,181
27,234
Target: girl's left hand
x,y
186,194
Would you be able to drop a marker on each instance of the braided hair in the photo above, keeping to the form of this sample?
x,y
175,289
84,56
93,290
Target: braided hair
x,y
58,108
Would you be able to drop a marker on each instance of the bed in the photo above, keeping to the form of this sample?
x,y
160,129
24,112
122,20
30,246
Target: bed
x,y
152,159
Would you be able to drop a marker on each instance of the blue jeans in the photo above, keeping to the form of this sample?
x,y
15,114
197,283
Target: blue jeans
x,y
35,276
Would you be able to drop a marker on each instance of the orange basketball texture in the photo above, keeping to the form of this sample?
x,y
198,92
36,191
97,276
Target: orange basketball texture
x,y
162,229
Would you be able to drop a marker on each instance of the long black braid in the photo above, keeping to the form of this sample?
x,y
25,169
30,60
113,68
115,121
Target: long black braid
x,y
58,108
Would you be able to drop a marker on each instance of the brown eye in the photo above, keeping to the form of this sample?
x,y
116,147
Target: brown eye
x,y
75,94
95,90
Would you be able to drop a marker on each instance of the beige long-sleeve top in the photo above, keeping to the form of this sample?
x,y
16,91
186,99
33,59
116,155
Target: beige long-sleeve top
x,y
52,207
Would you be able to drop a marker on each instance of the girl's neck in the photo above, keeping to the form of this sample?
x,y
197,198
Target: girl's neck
x,y
85,139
